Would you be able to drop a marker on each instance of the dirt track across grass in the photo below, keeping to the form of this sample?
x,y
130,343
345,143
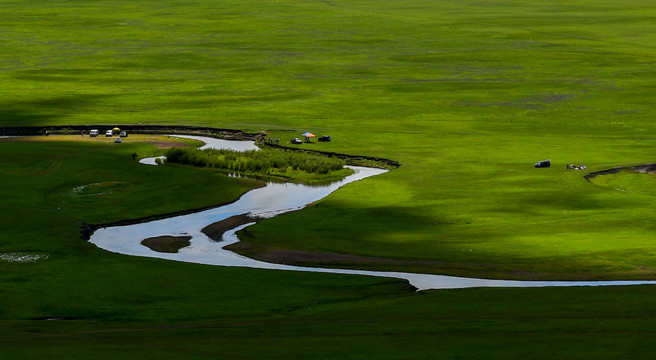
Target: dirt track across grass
x,y
644,168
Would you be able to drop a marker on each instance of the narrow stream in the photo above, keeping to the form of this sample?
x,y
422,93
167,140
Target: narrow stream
x,y
268,201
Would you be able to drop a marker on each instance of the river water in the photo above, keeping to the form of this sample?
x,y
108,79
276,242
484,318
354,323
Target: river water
x,y
268,201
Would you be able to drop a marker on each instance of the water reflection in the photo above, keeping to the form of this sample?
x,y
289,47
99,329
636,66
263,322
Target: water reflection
x,y
212,143
151,160
268,201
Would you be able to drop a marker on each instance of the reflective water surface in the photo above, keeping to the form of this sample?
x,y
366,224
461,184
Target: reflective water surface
x,y
276,198
210,143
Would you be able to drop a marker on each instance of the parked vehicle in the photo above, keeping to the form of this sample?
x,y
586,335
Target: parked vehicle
x,y
297,141
109,133
123,134
543,164
325,138
117,140
93,133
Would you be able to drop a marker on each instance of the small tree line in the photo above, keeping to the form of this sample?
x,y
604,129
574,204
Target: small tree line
x,y
261,161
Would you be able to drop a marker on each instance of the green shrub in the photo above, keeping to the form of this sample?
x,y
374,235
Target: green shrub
x,y
264,161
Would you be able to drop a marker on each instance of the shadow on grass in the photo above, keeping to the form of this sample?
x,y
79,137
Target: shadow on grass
x,y
44,111
56,75
399,238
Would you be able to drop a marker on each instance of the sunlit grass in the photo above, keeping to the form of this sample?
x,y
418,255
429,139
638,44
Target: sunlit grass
x,y
466,95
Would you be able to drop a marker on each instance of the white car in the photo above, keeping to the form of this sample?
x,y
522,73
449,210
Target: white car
x,y
93,133
109,133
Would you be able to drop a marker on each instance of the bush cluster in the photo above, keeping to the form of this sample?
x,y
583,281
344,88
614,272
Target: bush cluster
x,y
261,161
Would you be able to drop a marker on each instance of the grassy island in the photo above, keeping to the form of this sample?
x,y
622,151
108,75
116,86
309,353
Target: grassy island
x,y
268,163
168,244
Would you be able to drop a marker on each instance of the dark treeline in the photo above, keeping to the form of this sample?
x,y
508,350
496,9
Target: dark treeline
x,y
264,161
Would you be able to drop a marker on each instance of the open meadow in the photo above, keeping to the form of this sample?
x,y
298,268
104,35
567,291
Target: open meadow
x,y
465,95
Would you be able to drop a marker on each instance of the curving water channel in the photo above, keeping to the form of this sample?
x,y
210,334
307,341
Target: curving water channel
x,y
268,201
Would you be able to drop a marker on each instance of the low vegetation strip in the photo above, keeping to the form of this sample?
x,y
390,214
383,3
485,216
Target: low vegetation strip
x,y
274,163
358,160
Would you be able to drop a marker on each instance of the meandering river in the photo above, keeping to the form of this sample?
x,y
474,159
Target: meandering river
x,y
268,201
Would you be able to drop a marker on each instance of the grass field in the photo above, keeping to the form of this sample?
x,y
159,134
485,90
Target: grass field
x,y
73,300
466,95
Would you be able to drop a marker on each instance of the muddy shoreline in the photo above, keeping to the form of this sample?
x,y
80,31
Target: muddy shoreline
x,y
216,230
317,259
644,169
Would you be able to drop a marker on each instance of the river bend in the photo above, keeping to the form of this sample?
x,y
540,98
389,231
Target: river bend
x,y
268,201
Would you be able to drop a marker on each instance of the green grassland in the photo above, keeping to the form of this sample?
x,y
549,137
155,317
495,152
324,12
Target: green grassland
x,y
77,301
466,95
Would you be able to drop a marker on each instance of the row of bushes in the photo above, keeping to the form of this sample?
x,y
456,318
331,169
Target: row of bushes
x,y
260,161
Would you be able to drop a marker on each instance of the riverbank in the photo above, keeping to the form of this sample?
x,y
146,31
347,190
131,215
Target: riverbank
x,y
228,134
216,230
87,230
276,199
